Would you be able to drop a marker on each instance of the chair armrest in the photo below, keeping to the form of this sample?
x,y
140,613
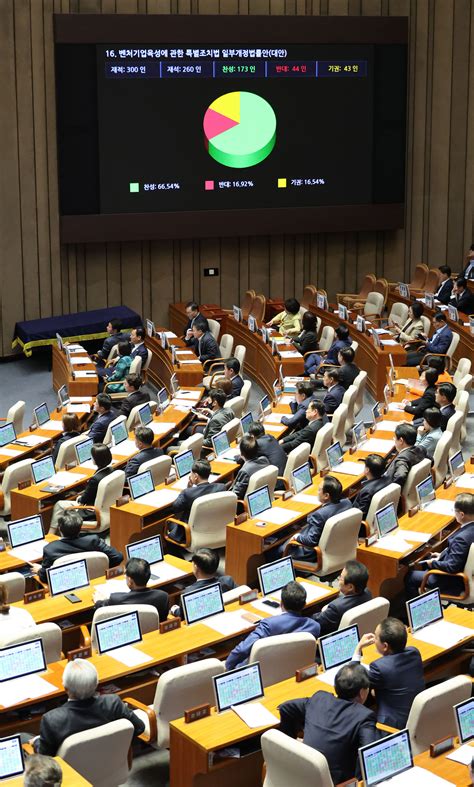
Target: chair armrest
x,y
366,527
207,365
292,543
113,382
438,355
87,508
317,552
312,461
196,424
438,572
317,352
284,482
85,636
133,703
3,419
386,728
186,529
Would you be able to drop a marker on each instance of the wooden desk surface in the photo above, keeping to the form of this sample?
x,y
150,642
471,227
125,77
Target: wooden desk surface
x,y
61,374
71,778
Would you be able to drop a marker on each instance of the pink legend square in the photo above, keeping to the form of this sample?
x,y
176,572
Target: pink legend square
x,y
209,185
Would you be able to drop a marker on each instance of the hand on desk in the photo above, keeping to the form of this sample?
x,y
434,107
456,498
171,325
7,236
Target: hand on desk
x,y
35,567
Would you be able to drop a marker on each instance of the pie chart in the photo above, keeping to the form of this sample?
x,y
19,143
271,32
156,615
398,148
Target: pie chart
x,y
239,129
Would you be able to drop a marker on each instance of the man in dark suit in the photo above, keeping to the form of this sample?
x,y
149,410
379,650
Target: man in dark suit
x,y
373,482
105,414
114,329
293,600
192,313
462,297
443,293
452,559
84,710
439,342
132,384
205,563
337,726
70,430
220,415
206,347
335,391
303,396
348,370
408,454
445,396
144,438
316,418
252,463
137,576
232,373
398,676
353,592
418,406
198,485
73,542
468,272
137,338
268,446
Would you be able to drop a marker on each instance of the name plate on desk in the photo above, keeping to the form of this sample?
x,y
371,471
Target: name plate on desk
x,y
287,494
198,712
441,746
79,653
116,571
33,427
122,501
34,595
371,540
70,465
349,783
171,479
249,596
170,625
310,671
24,484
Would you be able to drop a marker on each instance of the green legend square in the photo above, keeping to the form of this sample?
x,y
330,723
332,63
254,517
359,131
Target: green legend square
x,y
134,188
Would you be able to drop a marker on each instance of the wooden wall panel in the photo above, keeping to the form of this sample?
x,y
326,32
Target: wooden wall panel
x,y
40,278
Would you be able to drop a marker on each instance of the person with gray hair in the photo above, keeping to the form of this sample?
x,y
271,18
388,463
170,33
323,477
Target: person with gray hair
x,y
84,709
42,771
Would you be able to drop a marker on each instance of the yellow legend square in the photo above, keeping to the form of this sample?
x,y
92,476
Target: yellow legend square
x,y
282,183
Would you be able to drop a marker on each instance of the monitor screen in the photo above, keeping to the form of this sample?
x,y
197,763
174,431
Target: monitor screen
x,y
343,313
141,484
11,757
63,395
456,464
23,659
424,609
338,648
237,313
118,632
7,434
150,328
243,684
264,403
84,450
24,531
119,432
42,414
220,443
145,415
174,384
246,422
42,469
359,432
383,760
259,501
376,412
59,341
334,455
163,397
360,324
70,576
302,477
252,323
425,491
274,576
183,463
149,549
386,520
202,603
464,712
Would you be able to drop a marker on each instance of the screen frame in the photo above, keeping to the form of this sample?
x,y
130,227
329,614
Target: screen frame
x,y
175,462
81,442
20,645
376,517
70,590
216,437
35,411
266,566
144,541
417,598
456,716
377,743
6,426
12,774
255,491
216,678
325,637
341,460
193,593
295,470
120,425
33,464
25,519
130,486
116,617
139,413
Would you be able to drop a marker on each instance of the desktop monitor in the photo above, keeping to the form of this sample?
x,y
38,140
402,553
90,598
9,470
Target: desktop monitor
x,y
164,340
252,323
425,491
338,648
464,714
302,478
376,339
376,412
174,383
334,455
246,422
70,576
145,415
360,324
42,414
7,434
429,300
119,432
220,443
184,463
237,312
202,603
42,469
359,433
26,658
63,396
12,762
264,403
141,484
281,377
118,632
343,313
456,464
384,759
59,341
386,520
243,684
149,549
404,290
83,450
453,313
258,501
25,531
150,328
321,302
424,609
274,576
265,335
163,398
387,393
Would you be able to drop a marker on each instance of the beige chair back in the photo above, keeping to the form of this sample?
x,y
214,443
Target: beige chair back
x,y
233,595
247,301
322,441
108,434
232,428
381,286
451,350
149,356
463,368
367,285
214,328
133,419
108,491
49,633
309,296
389,494
267,476
281,655
240,352
100,755
15,415
349,399
454,426
419,276
226,345
464,384
431,717
208,520
417,474
147,615
258,308
433,280
440,457
97,562
297,457
293,763
468,571
367,616
14,583
14,474
374,305
66,453
194,444
426,324
113,352
462,406
338,542
236,404
136,365
245,392
327,338
360,383
340,423
159,467
398,314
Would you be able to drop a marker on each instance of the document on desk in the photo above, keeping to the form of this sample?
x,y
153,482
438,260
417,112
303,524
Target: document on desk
x,y
349,468
183,405
181,361
79,375
65,478
158,499
10,451
170,335
105,589
165,572
79,360
125,448
443,634
393,544
463,755
263,607
279,516
254,714
414,535
29,552
387,426
418,776
389,342
79,408
161,427
228,623
274,418
313,592
396,407
182,483
193,396
33,440
274,427
286,399
374,444
445,507
129,656
27,688
79,399
310,499
51,426
465,481
290,354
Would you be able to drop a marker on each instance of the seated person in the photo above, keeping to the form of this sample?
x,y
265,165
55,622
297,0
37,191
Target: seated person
x,y
268,446
137,577
439,342
337,726
443,293
102,458
438,362
132,386
144,438
198,485
205,563
444,398
416,407
373,482
468,272
398,676
335,391
307,340
42,771
348,370
104,415
430,431
114,329
462,297
316,418
232,373
192,313
119,370
303,396
137,338
408,454
13,620
70,429
73,542
220,416
412,327
206,347
252,462
84,709
352,592
341,341
288,321
332,503
293,600
452,559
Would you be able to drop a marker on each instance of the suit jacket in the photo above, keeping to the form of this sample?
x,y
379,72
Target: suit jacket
x,y
440,342
335,727
100,425
444,292
306,342
410,331
333,398
464,303
207,347
90,490
245,473
453,558
154,597
397,679
347,373
110,342
183,503
269,446
237,385
304,435
80,715
330,617
84,542
468,272
63,439
333,351
429,441
132,400
446,413
287,623
364,498
133,464
216,423
310,535
192,341
418,406
141,350
397,471
298,417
